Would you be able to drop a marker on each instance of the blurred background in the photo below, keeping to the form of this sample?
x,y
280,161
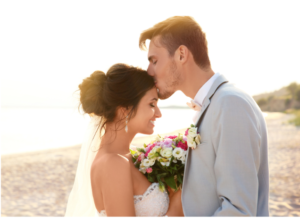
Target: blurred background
x,y
48,47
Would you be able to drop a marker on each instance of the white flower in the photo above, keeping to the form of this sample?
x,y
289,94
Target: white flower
x,y
166,152
198,139
191,143
164,161
147,163
178,152
158,138
192,132
182,159
143,170
152,154
152,162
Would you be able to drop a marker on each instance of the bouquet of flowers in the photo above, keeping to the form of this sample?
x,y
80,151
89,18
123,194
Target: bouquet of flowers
x,y
163,159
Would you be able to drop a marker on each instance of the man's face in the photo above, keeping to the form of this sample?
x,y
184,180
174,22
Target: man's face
x,y
163,68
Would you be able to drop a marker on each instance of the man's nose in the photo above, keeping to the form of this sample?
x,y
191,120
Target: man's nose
x,y
150,70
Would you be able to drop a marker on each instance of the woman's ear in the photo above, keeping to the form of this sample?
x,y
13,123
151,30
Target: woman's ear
x,y
122,112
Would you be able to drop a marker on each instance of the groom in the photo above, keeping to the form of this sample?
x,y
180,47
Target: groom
x,y
227,174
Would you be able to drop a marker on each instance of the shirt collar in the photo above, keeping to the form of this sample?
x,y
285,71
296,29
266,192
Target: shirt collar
x,y
201,94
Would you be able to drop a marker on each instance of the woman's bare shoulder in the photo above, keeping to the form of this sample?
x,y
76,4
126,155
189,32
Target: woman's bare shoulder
x,y
112,180
109,164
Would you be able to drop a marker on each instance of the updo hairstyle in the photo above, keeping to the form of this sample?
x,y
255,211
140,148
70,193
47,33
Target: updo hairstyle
x,y
122,86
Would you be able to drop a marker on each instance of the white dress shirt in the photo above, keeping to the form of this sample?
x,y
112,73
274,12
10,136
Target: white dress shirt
x,y
201,94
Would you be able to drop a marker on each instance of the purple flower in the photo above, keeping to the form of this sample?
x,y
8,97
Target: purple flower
x,y
167,143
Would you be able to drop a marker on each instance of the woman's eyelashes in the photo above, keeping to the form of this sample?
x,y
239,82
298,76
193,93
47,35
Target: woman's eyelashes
x,y
152,105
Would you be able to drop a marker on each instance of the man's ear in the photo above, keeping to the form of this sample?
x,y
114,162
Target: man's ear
x,y
183,53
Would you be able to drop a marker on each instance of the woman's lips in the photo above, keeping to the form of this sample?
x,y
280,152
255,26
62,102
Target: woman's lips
x,y
153,122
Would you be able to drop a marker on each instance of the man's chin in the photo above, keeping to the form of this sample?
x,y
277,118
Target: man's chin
x,y
164,95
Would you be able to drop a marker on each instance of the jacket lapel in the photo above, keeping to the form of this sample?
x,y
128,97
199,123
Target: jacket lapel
x,y
217,83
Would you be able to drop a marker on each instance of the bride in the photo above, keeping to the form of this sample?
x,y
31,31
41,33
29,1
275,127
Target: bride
x,y
124,103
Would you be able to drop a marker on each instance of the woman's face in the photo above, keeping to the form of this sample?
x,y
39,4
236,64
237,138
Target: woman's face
x,y
147,112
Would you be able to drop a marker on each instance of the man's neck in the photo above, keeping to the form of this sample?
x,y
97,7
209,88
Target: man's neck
x,y
194,79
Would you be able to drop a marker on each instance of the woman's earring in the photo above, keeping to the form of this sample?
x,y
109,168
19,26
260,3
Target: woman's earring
x,y
126,127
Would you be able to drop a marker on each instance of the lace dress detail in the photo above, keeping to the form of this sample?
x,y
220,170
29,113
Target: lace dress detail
x,y
152,203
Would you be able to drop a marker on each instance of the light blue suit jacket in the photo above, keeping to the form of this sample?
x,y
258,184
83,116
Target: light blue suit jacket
x,y
227,174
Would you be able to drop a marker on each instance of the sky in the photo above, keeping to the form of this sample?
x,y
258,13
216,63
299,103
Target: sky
x,y
48,47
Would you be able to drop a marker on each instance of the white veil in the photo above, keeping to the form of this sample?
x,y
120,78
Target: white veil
x,y
81,202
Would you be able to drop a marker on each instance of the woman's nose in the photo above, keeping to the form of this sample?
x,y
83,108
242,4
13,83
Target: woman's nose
x,y
157,112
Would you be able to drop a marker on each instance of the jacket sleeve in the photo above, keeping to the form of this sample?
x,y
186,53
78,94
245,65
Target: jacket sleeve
x,y
236,140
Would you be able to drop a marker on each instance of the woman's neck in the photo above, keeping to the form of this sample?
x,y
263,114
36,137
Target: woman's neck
x,y
116,140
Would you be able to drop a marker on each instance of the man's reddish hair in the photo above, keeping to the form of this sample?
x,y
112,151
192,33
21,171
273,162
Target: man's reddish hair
x,y
176,31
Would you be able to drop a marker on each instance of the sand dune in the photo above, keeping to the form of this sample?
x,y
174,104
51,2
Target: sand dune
x,y
38,183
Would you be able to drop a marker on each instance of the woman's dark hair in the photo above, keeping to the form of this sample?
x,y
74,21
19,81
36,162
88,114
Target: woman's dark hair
x,y
122,86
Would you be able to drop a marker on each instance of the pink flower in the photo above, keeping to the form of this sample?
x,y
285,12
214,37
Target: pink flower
x,y
186,132
149,170
184,138
141,157
171,137
184,145
149,148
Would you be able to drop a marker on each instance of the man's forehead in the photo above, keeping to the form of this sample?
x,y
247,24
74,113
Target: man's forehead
x,y
154,45
155,42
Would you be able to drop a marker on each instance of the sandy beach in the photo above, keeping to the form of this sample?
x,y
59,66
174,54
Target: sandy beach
x,y
39,183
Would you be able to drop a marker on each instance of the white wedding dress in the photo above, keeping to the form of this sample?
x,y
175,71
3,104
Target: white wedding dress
x,y
152,203
81,203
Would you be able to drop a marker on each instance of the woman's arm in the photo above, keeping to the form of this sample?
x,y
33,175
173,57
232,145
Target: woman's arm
x,y
175,206
117,187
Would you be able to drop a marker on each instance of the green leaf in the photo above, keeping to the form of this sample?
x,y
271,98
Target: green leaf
x,y
141,150
161,186
150,178
179,178
182,165
132,152
170,182
133,159
159,176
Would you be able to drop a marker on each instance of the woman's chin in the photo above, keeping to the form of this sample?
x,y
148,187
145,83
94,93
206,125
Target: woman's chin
x,y
148,131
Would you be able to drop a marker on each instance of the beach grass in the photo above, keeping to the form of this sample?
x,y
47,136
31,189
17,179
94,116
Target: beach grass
x,y
296,119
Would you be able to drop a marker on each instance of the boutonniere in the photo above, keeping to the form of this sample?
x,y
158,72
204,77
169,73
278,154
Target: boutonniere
x,y
193,137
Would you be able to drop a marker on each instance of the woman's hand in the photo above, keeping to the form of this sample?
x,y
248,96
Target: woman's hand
x,y
175,206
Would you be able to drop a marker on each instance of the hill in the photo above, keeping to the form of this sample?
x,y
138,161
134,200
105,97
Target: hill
x,y
286,98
